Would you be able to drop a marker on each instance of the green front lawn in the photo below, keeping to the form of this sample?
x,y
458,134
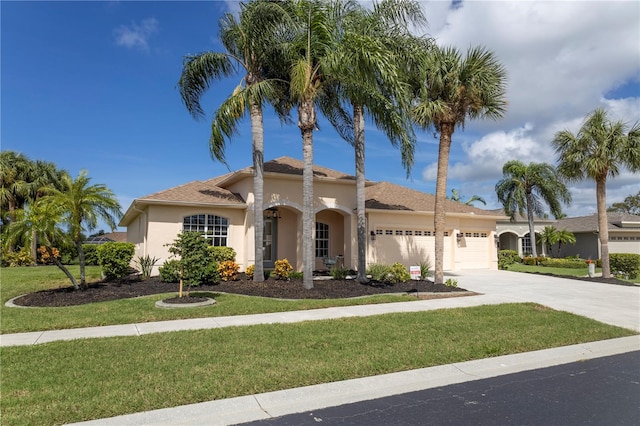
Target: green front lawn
x,y
534,269
71,381
18,281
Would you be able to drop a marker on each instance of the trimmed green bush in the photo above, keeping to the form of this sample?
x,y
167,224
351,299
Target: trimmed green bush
x,y
507,257
399,273
170,271
222,254
90,254
115,258
625,265
567,262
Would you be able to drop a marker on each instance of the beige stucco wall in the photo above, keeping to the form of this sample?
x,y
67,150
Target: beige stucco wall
x,y
164,223
411,249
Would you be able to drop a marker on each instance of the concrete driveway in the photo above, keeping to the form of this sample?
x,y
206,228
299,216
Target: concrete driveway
x,y
611,304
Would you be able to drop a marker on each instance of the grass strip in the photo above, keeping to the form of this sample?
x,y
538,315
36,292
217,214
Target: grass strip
x,y
63,382
18,281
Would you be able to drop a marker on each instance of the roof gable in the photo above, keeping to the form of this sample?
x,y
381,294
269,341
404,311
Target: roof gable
x,y
196,192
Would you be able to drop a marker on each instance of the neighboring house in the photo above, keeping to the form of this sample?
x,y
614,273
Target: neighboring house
x,y
514,235
624,235
119,237
399,220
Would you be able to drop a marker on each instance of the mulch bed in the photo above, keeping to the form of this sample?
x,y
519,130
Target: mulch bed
x,y
133,287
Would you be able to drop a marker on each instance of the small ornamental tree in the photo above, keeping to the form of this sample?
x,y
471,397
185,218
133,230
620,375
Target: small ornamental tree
x,y
196,266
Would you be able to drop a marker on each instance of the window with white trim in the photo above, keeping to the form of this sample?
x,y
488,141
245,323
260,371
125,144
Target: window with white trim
x,y
322,239
214,228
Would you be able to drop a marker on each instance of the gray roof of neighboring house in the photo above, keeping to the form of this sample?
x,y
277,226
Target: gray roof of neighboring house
x,y
616,221
389,196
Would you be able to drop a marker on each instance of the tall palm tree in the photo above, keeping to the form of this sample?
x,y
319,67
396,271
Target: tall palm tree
x,y
83,205
248,42
451,90
598,151
370,50
311,41
530,187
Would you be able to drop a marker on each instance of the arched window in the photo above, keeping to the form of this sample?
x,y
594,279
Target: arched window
x,y
214,228
322,239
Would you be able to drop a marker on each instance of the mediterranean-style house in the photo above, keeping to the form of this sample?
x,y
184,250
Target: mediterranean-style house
x,y
624,235
399,220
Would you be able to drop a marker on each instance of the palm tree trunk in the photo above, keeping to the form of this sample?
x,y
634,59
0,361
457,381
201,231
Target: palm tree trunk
x,y
63,268
358,124
257,135
34,247
603,225
446,130
532,233
82,261
306,122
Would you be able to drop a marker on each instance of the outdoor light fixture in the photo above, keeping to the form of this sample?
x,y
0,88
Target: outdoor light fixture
x,y
272,213
458,236
373,236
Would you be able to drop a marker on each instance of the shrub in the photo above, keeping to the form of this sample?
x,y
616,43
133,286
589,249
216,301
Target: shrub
x,y
45,258
567,262
507,257
90,254
338,272
450,282
114,259
146,264
170,271
529,260
625,265
21,257
425,267
378,271
282,269
196,264
398,273
249,271
221,254
296,275
228,270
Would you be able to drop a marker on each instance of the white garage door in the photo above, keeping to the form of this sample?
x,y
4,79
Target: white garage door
x,y
473,251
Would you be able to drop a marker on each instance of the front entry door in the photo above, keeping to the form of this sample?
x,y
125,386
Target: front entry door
x,y
269,235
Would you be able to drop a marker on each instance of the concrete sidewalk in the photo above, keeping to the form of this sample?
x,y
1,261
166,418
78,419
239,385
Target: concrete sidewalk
x,y
611,304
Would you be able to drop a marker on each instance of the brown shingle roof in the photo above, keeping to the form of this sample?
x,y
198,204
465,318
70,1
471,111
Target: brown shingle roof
x,y
196,192
389,196
291,166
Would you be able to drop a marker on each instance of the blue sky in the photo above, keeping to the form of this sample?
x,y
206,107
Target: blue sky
x,y
91,85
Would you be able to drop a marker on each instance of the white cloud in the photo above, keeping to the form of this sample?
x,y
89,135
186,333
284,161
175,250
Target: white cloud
x,y
136,36
563,60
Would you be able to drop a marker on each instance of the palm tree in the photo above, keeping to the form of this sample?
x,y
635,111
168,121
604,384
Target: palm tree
x,y
366,66
248,43
304,59
549,236
83,205
565,237
451,90
40,220
455,196
530,187
15,174
598,151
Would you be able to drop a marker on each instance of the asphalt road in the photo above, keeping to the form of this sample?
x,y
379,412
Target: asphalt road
x,y
600,391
